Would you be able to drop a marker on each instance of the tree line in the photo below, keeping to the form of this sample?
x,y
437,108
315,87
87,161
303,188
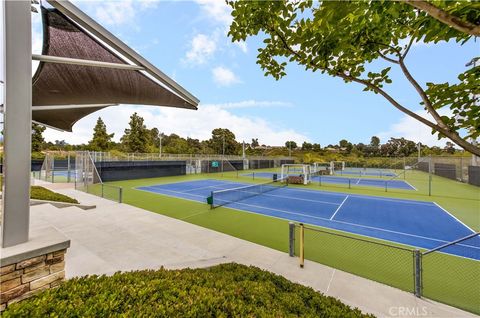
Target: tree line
x,y
137,138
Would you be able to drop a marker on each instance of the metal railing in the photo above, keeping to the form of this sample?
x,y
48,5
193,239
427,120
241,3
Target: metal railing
x,y
436,274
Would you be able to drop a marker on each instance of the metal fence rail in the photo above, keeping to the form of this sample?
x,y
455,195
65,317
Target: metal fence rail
x,y
432,274
381,262
450,279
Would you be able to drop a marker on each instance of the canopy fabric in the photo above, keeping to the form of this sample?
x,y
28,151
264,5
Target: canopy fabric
x,y
68,84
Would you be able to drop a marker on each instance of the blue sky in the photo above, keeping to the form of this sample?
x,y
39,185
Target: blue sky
x,y
187,41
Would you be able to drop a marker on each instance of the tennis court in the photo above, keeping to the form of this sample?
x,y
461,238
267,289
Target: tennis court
x,y
394,184
416,223
367,172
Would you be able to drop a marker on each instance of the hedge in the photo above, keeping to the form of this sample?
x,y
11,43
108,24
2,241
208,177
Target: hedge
x,y
227,290
41,193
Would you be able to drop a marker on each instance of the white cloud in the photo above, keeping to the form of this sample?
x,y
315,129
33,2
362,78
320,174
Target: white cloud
x,y
202,48
242,45
414,130
187,123
254,104
216,10
114,12
224,76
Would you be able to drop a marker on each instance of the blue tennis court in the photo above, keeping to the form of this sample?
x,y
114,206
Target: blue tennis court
x,y
392,184
416,223
367,172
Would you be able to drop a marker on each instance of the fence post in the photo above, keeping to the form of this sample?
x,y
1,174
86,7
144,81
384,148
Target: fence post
x,y
102,189
302,245
291,239
349,183
68,167
417,257
386,186
120,199
430,170
319,180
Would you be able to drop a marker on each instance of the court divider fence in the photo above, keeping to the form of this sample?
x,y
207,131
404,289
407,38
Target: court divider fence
x,y
432,274
87,179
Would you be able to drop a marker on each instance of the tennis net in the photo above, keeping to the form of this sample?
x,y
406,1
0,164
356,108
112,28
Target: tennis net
x,y
223,197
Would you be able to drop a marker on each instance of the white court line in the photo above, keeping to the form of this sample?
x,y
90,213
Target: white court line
x,y
409,184
338,209
453,216
358,181
315,217
352,224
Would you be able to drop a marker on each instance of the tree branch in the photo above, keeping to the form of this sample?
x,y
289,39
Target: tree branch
x,y
423,95
410,43
439,127
386,58
445,17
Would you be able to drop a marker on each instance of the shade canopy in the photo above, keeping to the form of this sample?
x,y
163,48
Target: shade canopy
x,y
70,34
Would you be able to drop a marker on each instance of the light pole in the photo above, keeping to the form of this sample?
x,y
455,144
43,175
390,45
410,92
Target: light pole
x,y
160,145
419,147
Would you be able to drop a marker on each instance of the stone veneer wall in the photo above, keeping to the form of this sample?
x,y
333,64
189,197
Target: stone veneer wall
x,y
26,278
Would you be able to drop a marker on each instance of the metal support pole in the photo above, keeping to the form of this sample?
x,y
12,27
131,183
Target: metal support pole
x,y
120,199
291,239
53,170
102,190
417,256
386,186
17,92
68,167
430,176
302,245
349,183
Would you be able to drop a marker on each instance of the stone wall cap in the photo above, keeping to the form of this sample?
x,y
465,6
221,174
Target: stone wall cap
x,y
41,241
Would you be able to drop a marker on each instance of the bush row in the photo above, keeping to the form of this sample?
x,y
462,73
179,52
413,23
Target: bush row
x,y
227,290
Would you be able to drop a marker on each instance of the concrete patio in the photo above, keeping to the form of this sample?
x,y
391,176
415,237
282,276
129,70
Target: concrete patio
x,y
119,237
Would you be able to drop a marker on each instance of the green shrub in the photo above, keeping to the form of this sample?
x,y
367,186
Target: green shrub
x,y
40,193
228,290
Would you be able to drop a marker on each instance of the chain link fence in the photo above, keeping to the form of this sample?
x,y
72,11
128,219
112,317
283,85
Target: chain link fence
x,y
433,274
453,280
385,263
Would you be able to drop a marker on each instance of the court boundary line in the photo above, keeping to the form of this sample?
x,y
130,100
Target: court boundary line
x,y
348,223
370,197
339,207
453,216
324,227
265,194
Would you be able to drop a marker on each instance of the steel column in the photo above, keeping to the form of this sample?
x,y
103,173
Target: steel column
x,y
17,90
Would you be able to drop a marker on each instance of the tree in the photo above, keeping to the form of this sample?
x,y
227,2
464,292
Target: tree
x,y
137,137
37,137
307,146
291,145
319,36
101,140
449,148
316,147
223,138
154,137
375,142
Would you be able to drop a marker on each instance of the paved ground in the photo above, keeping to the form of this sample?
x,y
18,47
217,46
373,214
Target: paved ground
x,y
118,237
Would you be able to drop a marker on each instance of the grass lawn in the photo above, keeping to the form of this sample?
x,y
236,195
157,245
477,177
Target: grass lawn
x,y
447,278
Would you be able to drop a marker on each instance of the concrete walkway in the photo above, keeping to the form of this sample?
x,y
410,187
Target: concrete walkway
x,y
119,237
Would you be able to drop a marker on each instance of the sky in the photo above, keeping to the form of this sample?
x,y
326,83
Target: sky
x,y
188,41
